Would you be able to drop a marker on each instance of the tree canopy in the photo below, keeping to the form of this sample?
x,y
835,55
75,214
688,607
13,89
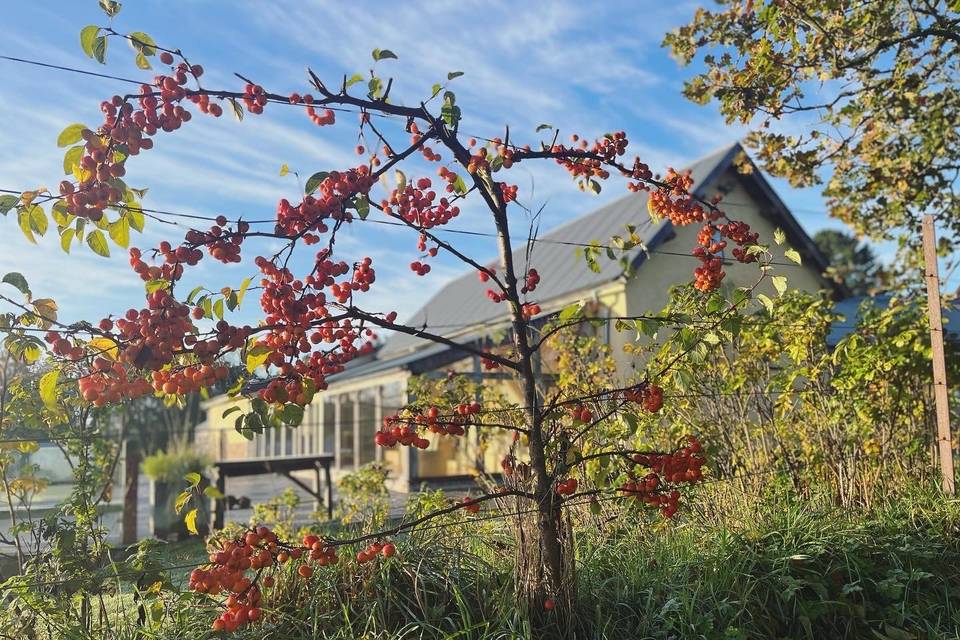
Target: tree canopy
x,y
860,97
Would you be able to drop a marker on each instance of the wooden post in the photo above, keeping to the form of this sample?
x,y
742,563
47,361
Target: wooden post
x,y
944,440
131,480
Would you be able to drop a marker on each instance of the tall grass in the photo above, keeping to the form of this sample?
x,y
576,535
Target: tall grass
x,y
736,566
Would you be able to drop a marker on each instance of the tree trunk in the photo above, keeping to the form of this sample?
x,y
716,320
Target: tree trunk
x,y
131,478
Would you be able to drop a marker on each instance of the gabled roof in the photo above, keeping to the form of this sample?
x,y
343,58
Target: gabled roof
x,y
461,306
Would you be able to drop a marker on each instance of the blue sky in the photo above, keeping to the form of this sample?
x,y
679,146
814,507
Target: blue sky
x,y
582,67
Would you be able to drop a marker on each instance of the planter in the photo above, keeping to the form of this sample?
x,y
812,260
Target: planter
x,y
165,522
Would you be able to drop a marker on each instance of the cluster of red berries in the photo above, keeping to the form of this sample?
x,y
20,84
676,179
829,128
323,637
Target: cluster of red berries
x,y
580,413
683,466
386,549
420,268
494,296
648,395
470,505
169,271
485,273
256,550
254,98
507,191
608,148
219,241
529,309
329,200
108,383
566,487
397,430
415,204
318,551
530,282
188,379
488,364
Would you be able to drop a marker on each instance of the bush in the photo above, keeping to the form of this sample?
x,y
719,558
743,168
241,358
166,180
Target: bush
x,y
173,465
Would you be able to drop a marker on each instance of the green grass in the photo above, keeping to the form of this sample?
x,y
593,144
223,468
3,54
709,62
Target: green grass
x,y
733,567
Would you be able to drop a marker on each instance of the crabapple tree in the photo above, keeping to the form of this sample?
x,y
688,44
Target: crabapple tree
x,y
316,321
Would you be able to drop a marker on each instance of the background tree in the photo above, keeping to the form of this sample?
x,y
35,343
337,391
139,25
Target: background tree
x,y
871,86
851,262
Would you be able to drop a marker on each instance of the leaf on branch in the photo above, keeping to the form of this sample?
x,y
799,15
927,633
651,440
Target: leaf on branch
x,y
98,243
354,79
143,43
71,135
45,309
141,61
242,291
182,499
284,169
237,109
100,49
191,521
17,280
105,347
792,255
363,206
23,220
120,231
7,203
66,238
193,478
213,492
257,356
544,126
383,54
459,185
766,302
110,7
779,236
72,158
292,414
779,283
48,387
454,74
88,36
314,181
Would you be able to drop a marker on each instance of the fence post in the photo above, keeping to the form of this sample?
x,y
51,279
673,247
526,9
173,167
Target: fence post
x,y
941,399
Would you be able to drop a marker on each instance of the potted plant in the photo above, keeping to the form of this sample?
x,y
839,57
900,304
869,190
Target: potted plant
x,y
167,471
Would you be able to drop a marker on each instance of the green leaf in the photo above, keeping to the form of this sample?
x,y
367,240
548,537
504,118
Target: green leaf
x,y
182,499
257,356
544,126
374,86
792,255
156,285
100,49
66,238
110,7
98,243
17,280
454,74
284,169
136,219
193,478
766,302
143,43
779,283
7,203
141,61
71,135
570,312
38,219
48,387
120,231
87,37
354,79
23,220
218,308
459,185
230,410
213,492
72,158
314,181
363,206
242,291
779,236
191,521
237,109
292,414
383,54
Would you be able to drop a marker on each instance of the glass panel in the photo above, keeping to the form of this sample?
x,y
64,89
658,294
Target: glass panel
x,y
329,425
346,430
367,419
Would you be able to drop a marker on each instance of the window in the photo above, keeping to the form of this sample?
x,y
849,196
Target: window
x,y
329,425
367,423
347,446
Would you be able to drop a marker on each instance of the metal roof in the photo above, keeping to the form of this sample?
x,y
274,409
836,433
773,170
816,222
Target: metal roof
x,y
461,306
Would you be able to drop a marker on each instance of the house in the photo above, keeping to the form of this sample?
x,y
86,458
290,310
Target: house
x,y
343,419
